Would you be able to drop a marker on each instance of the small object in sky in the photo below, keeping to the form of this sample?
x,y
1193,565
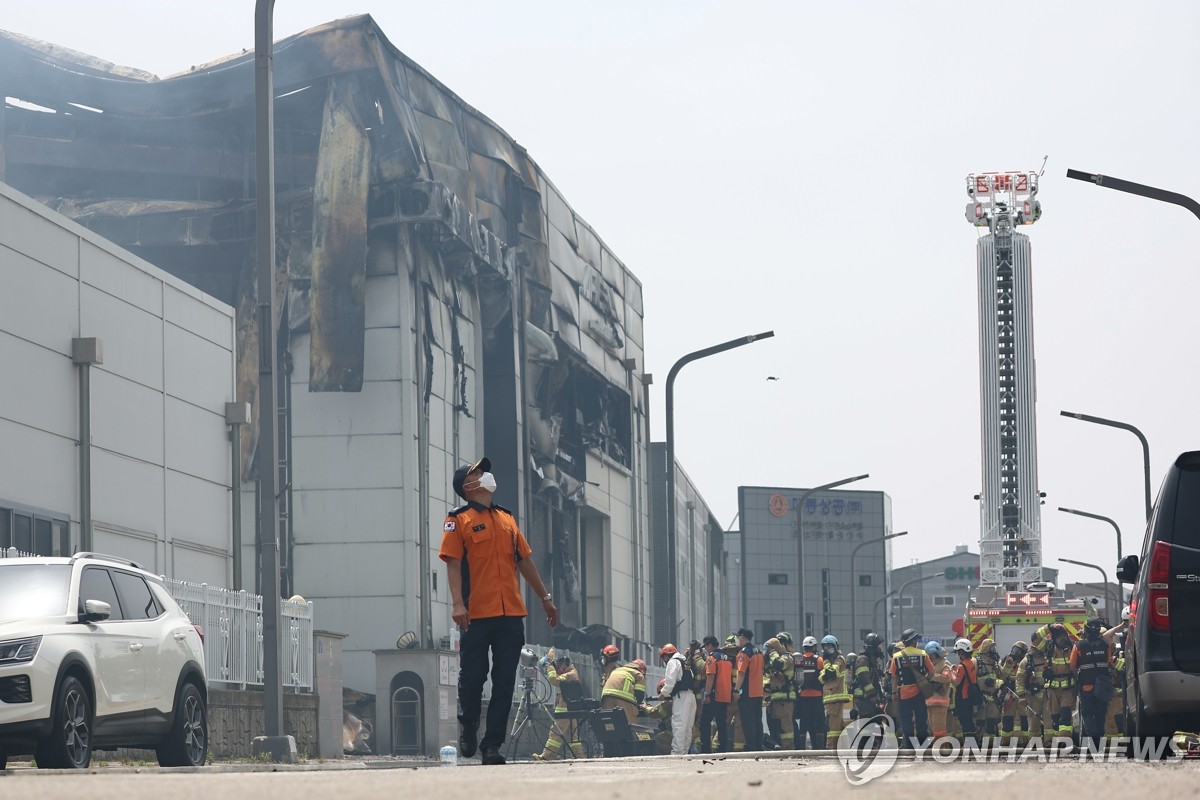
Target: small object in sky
x,y
772,378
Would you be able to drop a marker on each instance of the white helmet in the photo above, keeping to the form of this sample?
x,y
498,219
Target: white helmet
x,y
962,646
1125,614
809,641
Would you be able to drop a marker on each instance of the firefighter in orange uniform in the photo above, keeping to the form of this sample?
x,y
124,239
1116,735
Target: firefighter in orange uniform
x,y
749,688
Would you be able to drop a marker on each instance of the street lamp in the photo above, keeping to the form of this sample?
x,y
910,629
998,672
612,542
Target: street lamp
x,y
678,365
799,543
1102,519
268,410
900,595
875,616
1112,423
854,580
1108,604
1152,192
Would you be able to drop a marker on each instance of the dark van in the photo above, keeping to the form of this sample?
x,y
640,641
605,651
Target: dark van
x,y
1162,645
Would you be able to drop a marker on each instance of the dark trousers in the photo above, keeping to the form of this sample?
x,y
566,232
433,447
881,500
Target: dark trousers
x,y
751,709
914,719
1092,713
714,712
966,716
504,636
810,720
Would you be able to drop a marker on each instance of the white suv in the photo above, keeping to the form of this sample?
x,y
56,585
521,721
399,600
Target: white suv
x,y
95,655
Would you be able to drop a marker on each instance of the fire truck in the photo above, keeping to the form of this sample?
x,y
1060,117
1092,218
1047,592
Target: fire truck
x,y
1007,617
1013,600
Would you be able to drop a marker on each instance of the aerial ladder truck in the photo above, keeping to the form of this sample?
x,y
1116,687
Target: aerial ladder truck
x,y
1012,599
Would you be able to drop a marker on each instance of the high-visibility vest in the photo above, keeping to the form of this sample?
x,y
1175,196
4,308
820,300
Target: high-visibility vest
x,y
623,682
557,679
834,691
807,664
1061,676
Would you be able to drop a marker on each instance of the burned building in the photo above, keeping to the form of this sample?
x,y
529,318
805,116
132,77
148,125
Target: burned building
x,y
439,300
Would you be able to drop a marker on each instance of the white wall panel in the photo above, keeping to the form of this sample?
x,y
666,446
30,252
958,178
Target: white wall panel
x,y
126,493
339,569
142,549
381,357
107,272
197,565
38,469
198,511
127,417
133,338
347,462
37,304
25,228
374,410
381,301
192,446
351,515
199,314
197,371
41,387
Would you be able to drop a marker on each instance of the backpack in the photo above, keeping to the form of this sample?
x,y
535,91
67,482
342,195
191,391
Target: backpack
x,y
687,679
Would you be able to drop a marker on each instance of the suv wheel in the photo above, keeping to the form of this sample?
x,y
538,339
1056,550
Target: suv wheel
x,y
3,760
187,743
69,745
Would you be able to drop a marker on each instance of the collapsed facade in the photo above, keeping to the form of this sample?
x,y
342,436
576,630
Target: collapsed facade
x,y
439,300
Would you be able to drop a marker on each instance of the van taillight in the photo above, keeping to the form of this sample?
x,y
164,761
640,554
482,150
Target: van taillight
x,y
199,631
1158,588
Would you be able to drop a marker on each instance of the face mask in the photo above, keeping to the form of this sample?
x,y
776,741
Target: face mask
x,y
487,482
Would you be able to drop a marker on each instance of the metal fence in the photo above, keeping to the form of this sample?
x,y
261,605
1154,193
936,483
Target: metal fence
x,y
233,633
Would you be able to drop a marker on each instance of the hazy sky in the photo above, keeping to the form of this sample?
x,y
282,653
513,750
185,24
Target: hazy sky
x,y
800,167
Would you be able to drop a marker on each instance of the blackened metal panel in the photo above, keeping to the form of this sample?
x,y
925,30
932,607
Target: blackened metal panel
x,y
339,249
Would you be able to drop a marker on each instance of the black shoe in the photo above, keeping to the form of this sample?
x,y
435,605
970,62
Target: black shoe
x,y
492,756
468,739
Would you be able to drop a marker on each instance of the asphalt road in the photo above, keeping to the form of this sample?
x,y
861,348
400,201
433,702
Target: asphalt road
x,y
605,779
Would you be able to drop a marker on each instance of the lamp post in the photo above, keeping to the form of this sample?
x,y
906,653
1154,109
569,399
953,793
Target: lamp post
x,y
1152,192
1102,519
799,544
875,616
1112,423
672,598
1108,604
269,465
854,580
900,595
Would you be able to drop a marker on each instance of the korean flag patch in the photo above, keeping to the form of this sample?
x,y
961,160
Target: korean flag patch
x,y
449,526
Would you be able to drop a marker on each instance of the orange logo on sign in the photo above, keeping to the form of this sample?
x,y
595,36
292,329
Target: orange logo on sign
x,y
778,505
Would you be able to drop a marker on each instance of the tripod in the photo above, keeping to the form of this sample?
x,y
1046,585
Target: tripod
x,y
525,722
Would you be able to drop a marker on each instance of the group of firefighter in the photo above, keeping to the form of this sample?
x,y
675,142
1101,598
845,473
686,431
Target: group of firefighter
x,y
716,693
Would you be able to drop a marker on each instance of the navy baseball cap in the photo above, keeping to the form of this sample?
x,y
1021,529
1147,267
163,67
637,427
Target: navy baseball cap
x,y
460,474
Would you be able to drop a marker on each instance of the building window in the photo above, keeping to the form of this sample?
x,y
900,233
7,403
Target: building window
x,y
943,600
34,532
864,580
777,579
902,602
767,628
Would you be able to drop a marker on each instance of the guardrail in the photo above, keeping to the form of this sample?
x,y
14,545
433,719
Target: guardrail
x,y
232,623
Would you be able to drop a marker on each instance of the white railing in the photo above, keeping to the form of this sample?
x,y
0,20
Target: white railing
x,y
232,624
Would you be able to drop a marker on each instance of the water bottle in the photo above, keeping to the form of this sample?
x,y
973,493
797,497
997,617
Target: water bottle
x,y
449,755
